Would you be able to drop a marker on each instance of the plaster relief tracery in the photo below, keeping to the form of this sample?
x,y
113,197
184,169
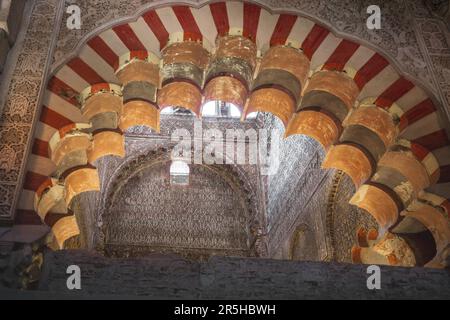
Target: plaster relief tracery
x,y
215,214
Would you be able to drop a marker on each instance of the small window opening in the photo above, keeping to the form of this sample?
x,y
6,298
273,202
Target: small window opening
x,y
179,173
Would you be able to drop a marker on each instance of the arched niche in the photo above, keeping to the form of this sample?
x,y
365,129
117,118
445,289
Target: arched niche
x,y
140,211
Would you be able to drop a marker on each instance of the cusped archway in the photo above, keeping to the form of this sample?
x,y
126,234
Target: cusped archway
x,y
376,125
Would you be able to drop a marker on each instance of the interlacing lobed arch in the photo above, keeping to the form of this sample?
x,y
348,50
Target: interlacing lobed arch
x,y
375,125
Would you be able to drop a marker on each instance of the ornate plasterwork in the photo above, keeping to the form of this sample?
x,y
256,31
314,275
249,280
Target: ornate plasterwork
x,y
441,9
145,212
435,39
22,103
154,154
99,213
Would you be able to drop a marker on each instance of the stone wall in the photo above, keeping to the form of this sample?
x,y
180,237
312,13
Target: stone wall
x,y
11,14
171,277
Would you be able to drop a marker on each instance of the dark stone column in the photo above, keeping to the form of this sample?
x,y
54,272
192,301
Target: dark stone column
x,y
4,48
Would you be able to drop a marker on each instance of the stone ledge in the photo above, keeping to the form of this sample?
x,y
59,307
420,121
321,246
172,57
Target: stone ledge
x,y
4,48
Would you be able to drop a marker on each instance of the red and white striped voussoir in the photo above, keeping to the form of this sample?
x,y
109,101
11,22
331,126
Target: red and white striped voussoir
x,y
426,157
406,115
416,113
178,37
48,183
182,22
395,111
179,23
99,88
132,56
437,201
47,196
76,128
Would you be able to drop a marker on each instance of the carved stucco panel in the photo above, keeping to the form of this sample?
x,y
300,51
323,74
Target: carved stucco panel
x,y
436,39
149,212
22,103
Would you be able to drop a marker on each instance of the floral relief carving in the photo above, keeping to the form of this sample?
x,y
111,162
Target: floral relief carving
x,y
7,158
12,140
437,45
22,101
30,64
6,197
